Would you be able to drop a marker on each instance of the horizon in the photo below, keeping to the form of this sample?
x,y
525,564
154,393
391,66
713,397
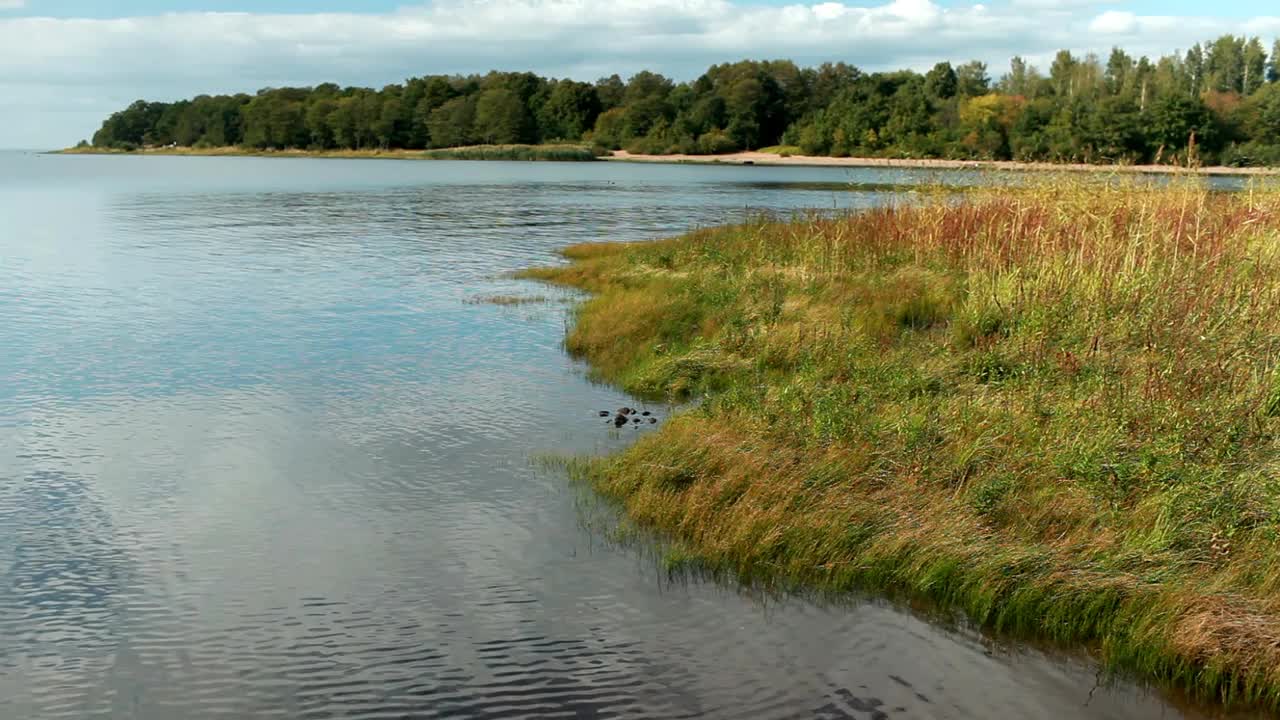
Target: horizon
x,y
66,65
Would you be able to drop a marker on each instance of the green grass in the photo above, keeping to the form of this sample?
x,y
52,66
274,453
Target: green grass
x,y
562,153
1055,408
783,150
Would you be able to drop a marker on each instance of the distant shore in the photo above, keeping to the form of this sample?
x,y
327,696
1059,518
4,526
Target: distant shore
x,y
768,158
567,153
244,152
582,153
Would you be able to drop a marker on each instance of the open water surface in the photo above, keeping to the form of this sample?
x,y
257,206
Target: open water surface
x,y
262,455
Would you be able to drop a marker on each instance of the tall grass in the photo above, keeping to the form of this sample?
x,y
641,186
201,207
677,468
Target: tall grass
x,y
1054,407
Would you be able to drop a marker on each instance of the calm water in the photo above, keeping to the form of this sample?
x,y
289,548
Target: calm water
x,y
263,455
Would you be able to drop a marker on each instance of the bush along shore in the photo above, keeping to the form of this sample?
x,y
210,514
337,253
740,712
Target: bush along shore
x,y
1055,408
561,153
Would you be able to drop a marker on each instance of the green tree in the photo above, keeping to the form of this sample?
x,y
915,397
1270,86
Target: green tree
x,y
1263,115
501,118
435,91
708,113
452,124
1120,69
1022,79
611,91
1273,67
645,84
1174,121
193,123
342,123
1254,66
610,129
130,126
828,81
1195,67
386,129
909,118
972,79
276,119
1028,138
1113,131
1062,74
1224,64
570,111
319,128
941,82
744,106
1121,110
1143,78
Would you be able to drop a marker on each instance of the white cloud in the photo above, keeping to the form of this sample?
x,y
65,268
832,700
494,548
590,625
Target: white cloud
x,y
59,76
1071,5
1114,22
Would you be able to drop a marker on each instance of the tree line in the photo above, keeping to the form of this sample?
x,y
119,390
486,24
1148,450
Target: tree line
x,y
1217,102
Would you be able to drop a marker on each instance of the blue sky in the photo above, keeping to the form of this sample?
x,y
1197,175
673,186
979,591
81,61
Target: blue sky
x,y
101,9
66,64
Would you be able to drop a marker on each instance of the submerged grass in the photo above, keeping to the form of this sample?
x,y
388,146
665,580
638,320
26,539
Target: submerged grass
x,y
1054,407
508,300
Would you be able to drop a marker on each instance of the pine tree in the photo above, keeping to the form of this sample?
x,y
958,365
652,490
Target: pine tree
x,y
1255,66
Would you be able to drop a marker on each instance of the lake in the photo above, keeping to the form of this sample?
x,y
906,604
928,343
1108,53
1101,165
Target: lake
x,y
267,451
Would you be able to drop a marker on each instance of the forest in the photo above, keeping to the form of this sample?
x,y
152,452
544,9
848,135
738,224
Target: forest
x,y
1217,103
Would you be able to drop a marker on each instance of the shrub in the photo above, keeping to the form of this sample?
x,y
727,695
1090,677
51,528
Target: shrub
x,y
716,142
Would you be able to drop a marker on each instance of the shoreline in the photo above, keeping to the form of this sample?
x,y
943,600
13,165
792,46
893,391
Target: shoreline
x,y
868,424
771,159
515,153
242,152
749,158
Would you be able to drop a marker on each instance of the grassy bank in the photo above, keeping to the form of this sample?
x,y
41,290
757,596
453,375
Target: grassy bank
x,y
562,153
578,153
1055,408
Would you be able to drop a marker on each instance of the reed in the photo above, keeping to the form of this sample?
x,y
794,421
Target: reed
x,y
1054,407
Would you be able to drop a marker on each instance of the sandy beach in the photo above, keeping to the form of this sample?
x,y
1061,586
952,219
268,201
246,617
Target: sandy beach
x,y
761,158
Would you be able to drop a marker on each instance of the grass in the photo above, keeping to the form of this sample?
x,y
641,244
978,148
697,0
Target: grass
x,y
478,152
1055,408
783,150
560,153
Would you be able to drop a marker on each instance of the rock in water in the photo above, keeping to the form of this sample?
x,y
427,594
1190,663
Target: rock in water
x,y
646,413
620,420
604,413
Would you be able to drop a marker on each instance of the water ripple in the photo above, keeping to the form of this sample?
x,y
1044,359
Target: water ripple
x,y
262,458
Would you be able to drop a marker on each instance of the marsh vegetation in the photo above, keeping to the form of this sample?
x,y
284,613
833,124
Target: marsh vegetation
x,y
1054,407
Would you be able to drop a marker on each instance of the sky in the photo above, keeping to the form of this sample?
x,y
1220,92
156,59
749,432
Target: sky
x,y
67,64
